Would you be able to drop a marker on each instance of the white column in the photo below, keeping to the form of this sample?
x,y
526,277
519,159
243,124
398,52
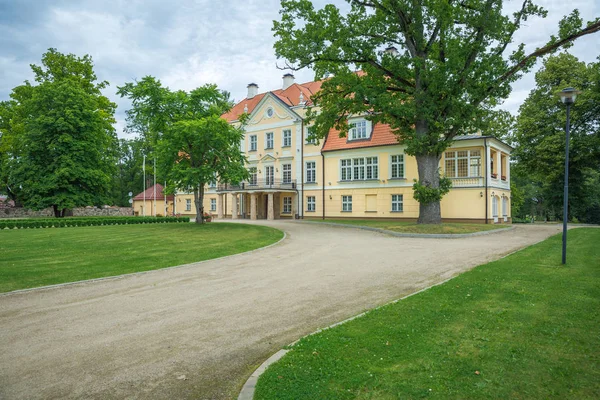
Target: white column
x,y
234,207
220,206
271,212
253,206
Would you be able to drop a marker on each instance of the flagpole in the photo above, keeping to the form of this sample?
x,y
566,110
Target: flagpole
x,y
144,169
154,203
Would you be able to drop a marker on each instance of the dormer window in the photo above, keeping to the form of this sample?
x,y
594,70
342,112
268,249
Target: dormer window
x,y
358,130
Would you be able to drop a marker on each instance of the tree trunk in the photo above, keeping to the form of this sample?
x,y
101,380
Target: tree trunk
x,y
59,212
199,203
428,166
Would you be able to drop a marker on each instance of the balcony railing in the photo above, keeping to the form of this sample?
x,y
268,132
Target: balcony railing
x,y
258,184
467,182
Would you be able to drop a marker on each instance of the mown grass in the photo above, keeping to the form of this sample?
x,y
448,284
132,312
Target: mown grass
x,y
38,257
412,227
523,327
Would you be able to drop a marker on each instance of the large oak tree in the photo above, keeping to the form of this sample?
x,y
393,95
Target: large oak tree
x,y
451,69
194,146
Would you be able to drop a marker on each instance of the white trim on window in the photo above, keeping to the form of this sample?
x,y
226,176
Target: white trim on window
x,y
286,173
311,171
287,205
311,204
313,141
397,166
286,138
253,144
213,204
269,140
359,129
359,169
397,203
346,203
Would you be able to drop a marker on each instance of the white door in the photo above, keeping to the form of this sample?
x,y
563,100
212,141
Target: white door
x,y
505,209
495,208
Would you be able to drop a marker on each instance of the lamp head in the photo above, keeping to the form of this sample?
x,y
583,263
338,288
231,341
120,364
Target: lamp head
x,y
568,95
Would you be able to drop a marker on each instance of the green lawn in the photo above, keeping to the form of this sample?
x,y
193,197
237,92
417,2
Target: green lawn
x,y
413,227
523,327
38,257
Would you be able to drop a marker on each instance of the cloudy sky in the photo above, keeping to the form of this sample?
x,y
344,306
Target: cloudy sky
x,y
189,43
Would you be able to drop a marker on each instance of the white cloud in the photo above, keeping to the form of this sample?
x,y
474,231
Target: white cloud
x,y
190,43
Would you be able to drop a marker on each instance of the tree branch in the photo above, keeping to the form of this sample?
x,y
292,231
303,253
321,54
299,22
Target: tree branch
x,y
592,28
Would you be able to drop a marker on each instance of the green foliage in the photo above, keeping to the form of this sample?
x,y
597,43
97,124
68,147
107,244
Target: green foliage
x,y
540,134
448,75
84,221
193,144
57,140
129,174
426,194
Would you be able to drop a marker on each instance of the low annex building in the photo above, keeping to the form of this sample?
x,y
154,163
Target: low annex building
x,y
153,202
364,175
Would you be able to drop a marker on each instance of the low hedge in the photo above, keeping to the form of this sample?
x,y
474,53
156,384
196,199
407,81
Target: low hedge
x,y
95,221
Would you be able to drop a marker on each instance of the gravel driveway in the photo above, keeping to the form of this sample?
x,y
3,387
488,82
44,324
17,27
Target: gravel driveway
x,y
199,331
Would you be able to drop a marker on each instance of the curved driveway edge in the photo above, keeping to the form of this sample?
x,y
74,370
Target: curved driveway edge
x,y
414,235
247,392
106,278
198,333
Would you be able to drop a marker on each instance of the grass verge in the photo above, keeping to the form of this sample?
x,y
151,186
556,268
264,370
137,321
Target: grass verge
x,y
39,257
523,327
413,227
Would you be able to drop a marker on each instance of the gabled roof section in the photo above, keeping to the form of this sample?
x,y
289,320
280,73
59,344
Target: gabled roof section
x,y
150,194
271,96
382,136
289,97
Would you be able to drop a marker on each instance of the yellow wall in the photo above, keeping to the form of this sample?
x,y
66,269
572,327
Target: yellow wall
x,y
138,207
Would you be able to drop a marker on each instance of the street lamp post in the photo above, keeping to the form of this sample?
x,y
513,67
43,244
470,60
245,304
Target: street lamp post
x,y
567,96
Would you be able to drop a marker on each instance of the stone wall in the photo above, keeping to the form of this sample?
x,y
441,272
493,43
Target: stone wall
x,y
18,212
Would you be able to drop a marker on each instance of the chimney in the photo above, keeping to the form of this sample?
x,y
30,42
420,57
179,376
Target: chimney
x,y
392,51
252,90
288,80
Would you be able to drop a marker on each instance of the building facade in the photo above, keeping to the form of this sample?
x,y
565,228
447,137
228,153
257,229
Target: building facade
x,y
363,175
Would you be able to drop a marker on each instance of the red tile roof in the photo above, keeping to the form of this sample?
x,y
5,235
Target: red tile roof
x,y
290,96
382,135
150,194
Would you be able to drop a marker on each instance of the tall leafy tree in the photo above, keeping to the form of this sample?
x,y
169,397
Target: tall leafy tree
x,y
193,144
60,140
129,174
450,70
540,136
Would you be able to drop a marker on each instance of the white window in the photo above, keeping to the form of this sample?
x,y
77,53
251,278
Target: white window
x,y
372,168
358,130
286,173
397,166
347,203
311,172
252,172
287,205
358,169
269,175
213,204
310,138
188,205
287,138
462,164
311,203
213,182
397,202
269,140
346,170
253,142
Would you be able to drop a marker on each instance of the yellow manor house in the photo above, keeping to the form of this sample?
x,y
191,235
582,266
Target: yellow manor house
x,y
364,175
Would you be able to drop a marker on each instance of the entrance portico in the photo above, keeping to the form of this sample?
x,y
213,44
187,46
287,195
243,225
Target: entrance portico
x,y
254,200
